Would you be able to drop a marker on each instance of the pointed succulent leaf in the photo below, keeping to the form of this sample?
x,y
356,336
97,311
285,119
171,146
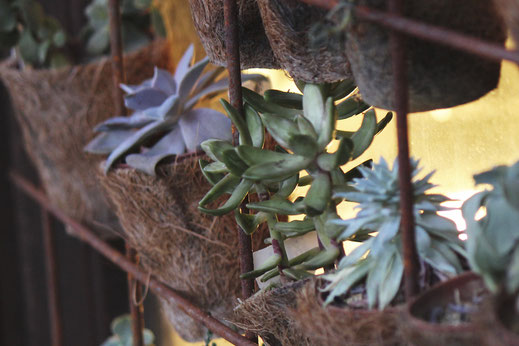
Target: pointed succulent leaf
x,y
259,104
281,129
364,136
238,121
275,205
136,120
384,122
216,167
145,99
269,264
131,89
329,118
201,124
391,282
286,187
233,162
106,142
305,127
296,274
350,107
279,170
322,259
189,79
255,156
183,65
237,196
255,126
228,183
249,222
163,81
168,109
297,226
376,276
341,281
303,145
135,140
319,195
284,99
212,178
170,145
313,106
343,89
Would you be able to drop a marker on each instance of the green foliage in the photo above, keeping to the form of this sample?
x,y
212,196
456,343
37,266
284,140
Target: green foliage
x,y
492,245
303,126
139,20
39,38
165,121
377,261
122,329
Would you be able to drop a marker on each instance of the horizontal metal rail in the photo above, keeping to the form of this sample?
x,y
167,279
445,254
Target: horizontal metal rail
x,y
162,290
428,32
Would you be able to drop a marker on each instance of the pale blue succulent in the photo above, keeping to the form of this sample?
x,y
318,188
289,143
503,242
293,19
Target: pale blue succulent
x,y
165,122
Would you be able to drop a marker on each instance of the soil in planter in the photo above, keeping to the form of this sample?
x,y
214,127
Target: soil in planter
x,y
350,322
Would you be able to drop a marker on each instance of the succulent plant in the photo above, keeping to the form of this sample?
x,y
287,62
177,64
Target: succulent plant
x,y
492,244
303,126
165,118
138,19
378,261
122,329
38,38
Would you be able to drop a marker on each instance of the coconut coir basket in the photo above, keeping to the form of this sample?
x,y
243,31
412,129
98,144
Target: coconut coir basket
x,y
192,252
336,326
287,23
269,314
438,76
57,110
255,51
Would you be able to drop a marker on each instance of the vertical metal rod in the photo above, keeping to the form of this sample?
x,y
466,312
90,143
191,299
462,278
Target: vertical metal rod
x,y
134,288
233,65
116,45
399,61
49,243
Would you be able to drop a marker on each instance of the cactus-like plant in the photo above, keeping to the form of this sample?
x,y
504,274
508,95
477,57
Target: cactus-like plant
x,y
492,243
303,126
38,38
378,261
165,122
122,333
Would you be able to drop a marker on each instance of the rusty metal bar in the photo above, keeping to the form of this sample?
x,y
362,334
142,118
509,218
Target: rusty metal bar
x,y
116,45
401,87
51,269
89,237
235,95
429,32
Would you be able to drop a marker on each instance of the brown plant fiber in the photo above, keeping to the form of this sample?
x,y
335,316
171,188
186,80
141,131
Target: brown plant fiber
x,y
509,9
192,252
57,110
334,326
255,50
287,23
269,314
438,76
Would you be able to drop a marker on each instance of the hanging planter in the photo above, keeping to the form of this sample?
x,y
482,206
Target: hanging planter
x,y
509,9
192,252
57,110
287,23
340,325
438,76
255,51
270,315
448,314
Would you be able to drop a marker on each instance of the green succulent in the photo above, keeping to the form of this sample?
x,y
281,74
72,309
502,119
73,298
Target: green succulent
x,y
303,126
377,261
139,19
165,121
122,329
38,38
492,244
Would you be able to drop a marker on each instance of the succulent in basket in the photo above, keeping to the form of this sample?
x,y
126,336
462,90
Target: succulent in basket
x,y
38,39
492,244
165,121
303,126
378,261
122,333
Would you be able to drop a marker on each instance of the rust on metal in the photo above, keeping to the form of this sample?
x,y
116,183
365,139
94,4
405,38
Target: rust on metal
x,y
51,270
447,37
116,47
235,96
159,288
400,83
